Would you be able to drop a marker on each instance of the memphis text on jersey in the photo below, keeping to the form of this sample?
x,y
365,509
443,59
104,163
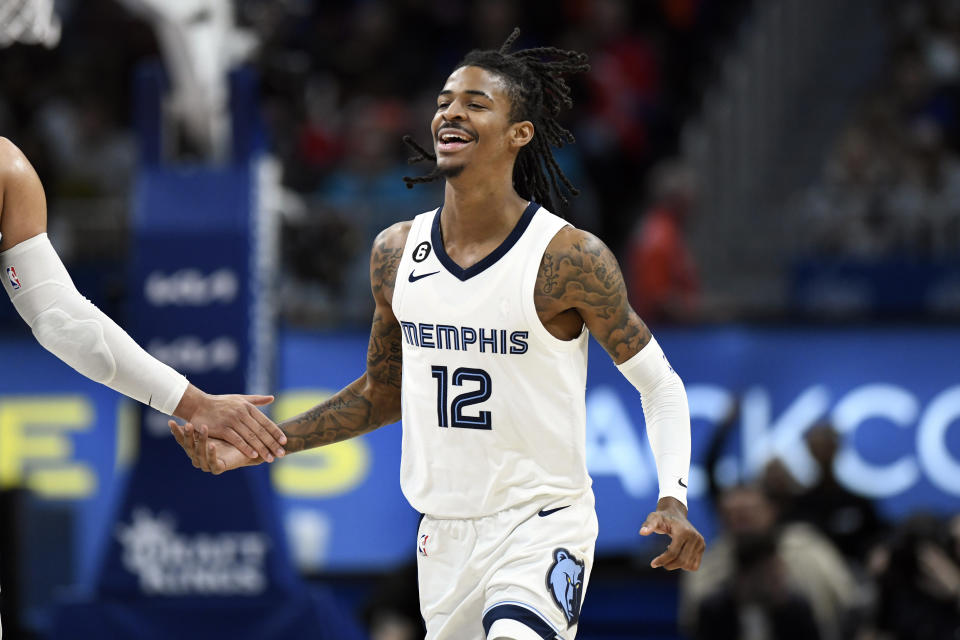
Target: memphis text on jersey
x,y
453,338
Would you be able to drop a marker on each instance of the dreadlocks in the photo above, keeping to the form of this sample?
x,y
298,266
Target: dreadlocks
x,y
537,93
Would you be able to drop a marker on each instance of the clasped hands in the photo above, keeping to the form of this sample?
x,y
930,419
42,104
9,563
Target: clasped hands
x,y
224,432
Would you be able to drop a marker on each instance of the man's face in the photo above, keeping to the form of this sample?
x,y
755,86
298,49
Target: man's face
x,y
472,123
746,510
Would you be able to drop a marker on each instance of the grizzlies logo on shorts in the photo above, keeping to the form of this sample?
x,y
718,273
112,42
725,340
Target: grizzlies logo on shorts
x,y
565,584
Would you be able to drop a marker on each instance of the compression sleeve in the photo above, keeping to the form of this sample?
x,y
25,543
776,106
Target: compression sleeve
x,y
667,416
72,328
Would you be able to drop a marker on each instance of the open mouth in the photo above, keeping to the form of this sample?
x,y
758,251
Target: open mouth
x,y
450,140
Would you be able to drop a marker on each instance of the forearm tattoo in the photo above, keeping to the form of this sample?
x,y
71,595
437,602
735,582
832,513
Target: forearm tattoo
x,y
343,416
584,275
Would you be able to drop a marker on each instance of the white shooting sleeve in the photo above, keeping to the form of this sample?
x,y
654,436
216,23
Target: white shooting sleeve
x,y
72,328
667,415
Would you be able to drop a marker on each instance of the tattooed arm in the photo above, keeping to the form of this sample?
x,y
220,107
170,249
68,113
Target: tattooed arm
x,y
373,399
369,402
580,281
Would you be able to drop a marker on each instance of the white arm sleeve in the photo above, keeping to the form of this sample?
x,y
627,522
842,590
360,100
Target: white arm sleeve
x,y
667,415
72,328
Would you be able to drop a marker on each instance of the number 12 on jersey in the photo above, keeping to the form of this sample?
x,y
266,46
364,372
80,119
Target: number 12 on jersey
x,y
455,417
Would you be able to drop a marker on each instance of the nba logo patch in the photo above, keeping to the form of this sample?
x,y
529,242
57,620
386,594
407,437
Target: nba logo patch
x,y
422,545
12,276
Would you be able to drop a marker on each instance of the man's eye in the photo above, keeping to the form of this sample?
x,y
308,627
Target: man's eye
x,y
442,105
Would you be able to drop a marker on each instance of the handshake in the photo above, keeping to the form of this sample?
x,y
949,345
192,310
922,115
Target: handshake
x,y
224,432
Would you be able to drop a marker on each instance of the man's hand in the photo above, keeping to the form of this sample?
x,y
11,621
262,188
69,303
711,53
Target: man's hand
x,y
686,545
235,419
209,454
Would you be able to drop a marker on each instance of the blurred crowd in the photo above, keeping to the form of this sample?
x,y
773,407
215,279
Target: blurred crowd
x,y
818,562
891,187
68,109
338,109
342,82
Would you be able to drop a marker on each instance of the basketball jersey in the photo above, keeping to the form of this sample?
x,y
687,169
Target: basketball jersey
x,y
493,405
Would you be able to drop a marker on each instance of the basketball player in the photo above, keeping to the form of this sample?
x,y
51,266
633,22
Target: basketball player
x,y
71,328
485,305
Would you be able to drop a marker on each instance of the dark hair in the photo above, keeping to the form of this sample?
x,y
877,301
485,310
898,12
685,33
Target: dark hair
x,y
752,550
537,93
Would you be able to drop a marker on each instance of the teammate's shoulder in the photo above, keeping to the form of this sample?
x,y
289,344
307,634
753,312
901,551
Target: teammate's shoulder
x,y
7,146
11,157
393,237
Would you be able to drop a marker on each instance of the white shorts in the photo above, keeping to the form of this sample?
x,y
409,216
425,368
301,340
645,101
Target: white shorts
x,y
520,573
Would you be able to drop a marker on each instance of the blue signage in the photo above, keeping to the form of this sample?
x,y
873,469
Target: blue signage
x,y
893,393
183,542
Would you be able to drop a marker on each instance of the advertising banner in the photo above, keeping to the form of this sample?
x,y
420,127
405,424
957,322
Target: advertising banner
x,y
894,394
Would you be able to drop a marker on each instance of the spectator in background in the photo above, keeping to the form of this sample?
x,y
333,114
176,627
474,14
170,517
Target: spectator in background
x,y
918,572
812,566
849,520
393,610
891,187
757,602
664,285
367,189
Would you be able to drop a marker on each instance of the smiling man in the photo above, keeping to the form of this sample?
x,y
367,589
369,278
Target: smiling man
x,y
485,305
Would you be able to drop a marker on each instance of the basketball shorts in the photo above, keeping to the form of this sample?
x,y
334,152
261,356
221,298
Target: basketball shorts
x,y
521,573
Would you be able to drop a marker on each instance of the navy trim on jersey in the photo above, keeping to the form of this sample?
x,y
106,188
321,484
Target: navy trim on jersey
x,y
522,615
496,254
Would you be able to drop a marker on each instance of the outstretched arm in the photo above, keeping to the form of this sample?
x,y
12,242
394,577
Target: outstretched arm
x,y
73,329
369,402
373,399
579,273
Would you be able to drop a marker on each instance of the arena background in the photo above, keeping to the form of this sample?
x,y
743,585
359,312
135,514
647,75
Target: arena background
x,y
780,181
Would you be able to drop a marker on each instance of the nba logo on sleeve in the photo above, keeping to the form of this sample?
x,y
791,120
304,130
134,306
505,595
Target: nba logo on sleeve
x,y
14,279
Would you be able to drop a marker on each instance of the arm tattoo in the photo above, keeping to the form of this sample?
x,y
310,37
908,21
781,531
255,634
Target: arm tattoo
x,y
384,351
584,275
345,415
384,263
384,359
373,400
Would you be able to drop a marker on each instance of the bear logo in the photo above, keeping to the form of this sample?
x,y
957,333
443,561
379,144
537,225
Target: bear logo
x,y
565,584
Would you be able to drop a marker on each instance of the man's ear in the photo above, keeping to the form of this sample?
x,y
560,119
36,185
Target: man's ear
x,y
521,134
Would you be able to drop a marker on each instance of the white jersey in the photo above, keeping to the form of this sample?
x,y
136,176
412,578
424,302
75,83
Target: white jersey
x,y
494,411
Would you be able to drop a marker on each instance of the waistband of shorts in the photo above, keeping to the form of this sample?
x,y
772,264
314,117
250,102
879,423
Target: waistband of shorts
x,y
529,508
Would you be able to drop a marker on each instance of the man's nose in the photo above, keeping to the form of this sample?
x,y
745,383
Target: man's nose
x,y
454,111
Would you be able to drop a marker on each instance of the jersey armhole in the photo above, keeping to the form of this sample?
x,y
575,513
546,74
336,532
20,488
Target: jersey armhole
x,y
530,309
400,285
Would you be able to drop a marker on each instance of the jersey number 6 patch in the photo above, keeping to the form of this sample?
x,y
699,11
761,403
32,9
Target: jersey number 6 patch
x,y
455,417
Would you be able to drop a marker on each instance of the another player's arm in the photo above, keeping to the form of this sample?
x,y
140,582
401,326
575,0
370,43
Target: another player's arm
x,y
46,298
579,273
369,402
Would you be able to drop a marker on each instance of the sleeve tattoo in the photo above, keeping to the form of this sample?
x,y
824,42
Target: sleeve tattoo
x,y
373,400
584,275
